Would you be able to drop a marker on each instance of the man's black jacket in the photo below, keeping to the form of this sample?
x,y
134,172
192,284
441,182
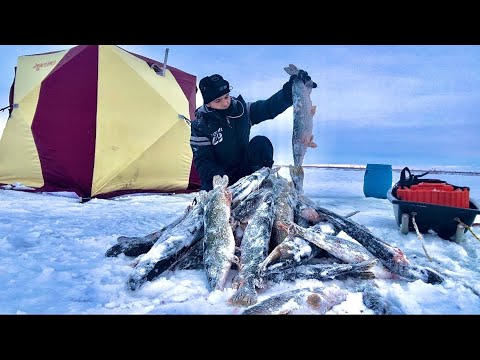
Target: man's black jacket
x,y
219,143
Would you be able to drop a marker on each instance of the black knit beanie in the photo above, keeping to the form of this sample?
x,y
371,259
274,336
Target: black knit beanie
x,y
213,87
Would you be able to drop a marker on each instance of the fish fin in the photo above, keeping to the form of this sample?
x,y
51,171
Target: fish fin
x,y
245,296
224,182
310,214
311,143
220,181
291,69
228,194
286,226
351,214
216,181
313,110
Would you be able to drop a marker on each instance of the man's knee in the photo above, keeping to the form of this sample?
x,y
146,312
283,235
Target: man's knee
x,y
260,153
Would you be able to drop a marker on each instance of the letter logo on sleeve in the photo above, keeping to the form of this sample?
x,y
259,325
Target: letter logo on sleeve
x,y
217,136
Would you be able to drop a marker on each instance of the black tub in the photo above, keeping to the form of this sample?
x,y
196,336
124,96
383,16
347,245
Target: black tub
x,y
438,218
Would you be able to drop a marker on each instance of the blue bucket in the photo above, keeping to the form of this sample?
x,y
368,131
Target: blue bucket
x,y
377,180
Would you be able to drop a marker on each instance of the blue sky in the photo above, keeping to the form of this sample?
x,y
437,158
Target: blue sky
x,y
404,105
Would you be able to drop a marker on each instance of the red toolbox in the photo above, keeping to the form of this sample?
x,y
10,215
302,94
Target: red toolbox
x,y
436,193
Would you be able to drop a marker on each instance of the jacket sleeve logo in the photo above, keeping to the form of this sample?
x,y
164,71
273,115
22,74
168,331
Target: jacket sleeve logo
x,y
217,136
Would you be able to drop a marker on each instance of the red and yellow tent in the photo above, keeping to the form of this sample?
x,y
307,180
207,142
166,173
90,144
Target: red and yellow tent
x,y
99,121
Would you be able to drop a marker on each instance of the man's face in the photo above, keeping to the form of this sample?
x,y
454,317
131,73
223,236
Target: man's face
x,y
220,103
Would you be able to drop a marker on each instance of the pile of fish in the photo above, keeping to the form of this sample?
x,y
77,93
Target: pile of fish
x,y
265,229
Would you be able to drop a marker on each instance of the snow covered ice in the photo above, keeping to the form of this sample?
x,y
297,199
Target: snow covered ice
x,y
52,254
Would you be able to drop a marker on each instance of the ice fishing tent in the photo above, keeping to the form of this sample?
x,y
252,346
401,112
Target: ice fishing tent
x,y
99,121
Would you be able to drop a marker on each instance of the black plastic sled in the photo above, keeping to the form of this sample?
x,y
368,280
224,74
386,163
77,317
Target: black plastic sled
x,y
438,218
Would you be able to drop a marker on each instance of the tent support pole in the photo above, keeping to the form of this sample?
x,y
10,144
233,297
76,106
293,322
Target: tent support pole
x,y
165,62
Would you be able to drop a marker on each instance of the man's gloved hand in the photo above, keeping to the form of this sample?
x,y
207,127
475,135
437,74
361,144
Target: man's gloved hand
x,y
302,75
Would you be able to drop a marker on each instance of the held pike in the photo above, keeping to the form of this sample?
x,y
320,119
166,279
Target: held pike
x,y
317,300
302,136
391,257
218,241
253,250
